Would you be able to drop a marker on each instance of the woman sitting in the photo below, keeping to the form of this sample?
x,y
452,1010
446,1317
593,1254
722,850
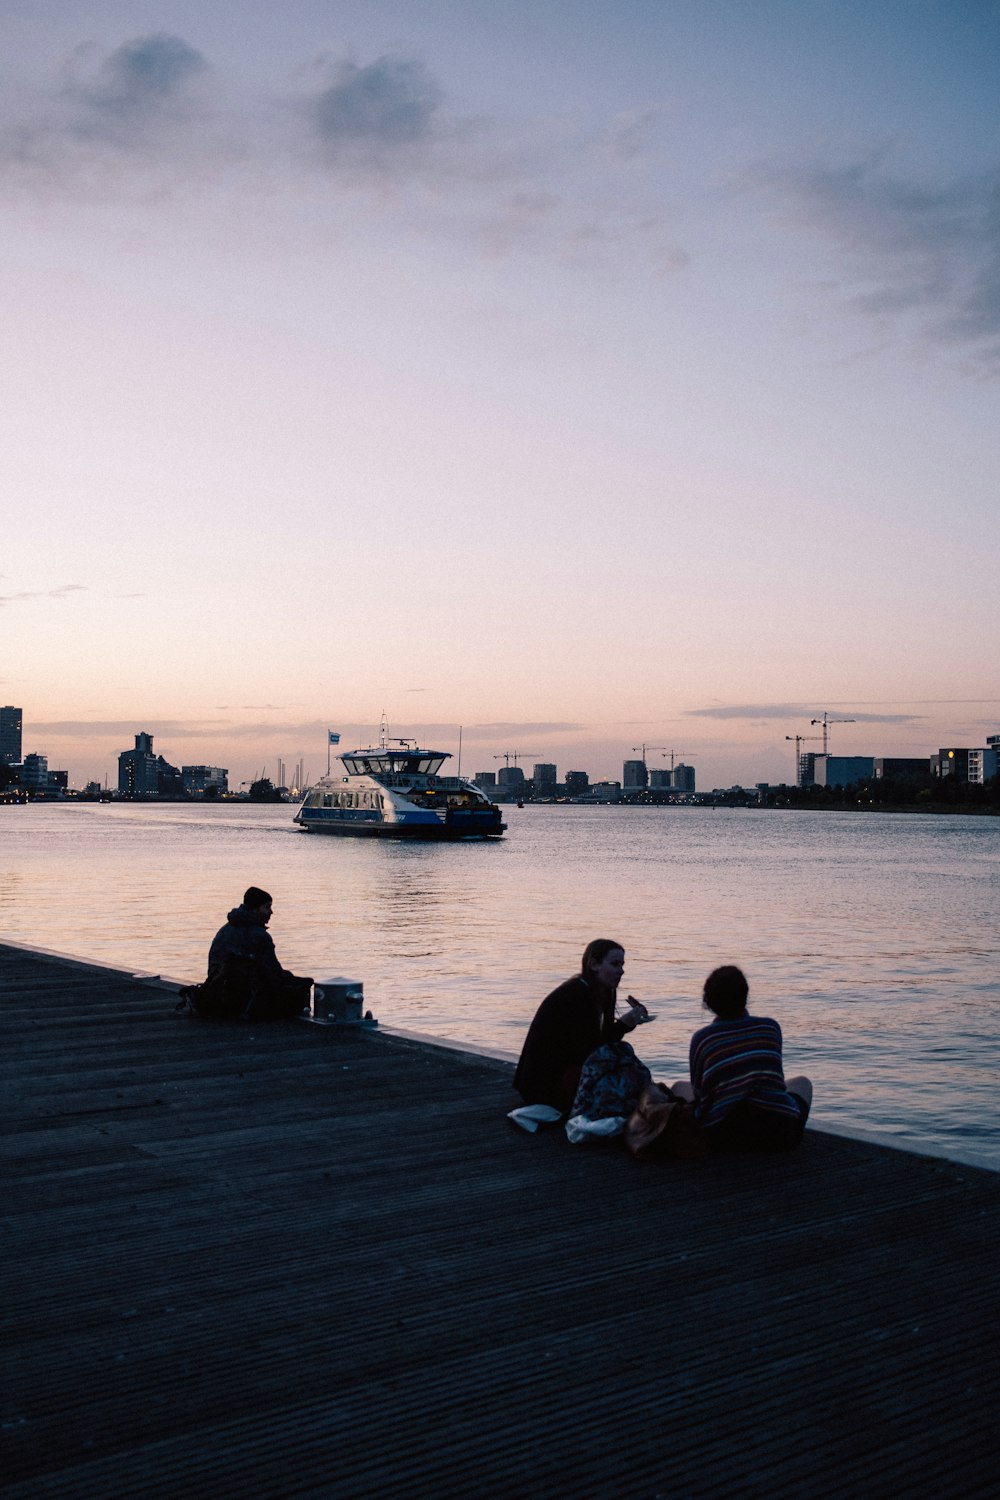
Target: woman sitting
x,y
570,1023
737,1080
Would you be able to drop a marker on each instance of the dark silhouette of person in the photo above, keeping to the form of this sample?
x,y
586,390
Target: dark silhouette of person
x,y
243,950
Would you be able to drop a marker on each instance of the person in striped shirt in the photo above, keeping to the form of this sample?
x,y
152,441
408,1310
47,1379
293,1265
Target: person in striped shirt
x,y
737,1079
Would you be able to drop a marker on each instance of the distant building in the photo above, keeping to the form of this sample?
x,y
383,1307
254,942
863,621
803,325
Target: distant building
x,y
35,773
901,768
635,777
197,780
137,769
169,780
143,774
512,777
842,770
606,791
807,768
683,778
951,761
485,780
10,735
982,766
680,779
544,778
577,783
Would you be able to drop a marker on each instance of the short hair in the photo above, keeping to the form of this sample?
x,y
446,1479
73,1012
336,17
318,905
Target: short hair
x,y
595,951
725,992
253,897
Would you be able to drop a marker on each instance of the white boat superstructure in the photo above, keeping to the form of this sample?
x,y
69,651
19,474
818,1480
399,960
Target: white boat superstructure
x,y
397,790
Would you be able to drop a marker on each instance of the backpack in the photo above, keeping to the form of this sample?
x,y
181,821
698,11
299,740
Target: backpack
x,y
227,994
663,1125
610,1083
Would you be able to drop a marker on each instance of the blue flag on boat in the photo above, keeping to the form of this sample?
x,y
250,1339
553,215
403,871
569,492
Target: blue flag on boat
x,y
334,738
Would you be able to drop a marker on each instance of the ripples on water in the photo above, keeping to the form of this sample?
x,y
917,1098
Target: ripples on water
x,y
871,938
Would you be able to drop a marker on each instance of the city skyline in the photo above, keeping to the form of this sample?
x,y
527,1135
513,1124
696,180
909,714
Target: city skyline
x,y
644,756
584,377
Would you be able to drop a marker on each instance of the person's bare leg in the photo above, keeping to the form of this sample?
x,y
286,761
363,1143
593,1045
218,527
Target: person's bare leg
x,y
684,1090
801,1087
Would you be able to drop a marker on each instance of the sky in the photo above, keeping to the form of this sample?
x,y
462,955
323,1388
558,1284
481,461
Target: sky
x,y
585,375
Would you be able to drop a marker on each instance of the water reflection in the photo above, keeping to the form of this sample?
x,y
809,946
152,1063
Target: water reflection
x,y
872,939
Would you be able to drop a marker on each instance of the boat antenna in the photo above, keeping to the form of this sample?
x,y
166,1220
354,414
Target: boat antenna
x,y
459,750
383,732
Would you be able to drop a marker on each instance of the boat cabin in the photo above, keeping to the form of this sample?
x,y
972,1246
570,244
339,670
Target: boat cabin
x,y
394,762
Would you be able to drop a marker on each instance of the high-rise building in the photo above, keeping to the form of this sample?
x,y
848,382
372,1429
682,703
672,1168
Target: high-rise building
x,y
485,779
511,777
577,783
138,771
10,735
635,777
682,778
544,777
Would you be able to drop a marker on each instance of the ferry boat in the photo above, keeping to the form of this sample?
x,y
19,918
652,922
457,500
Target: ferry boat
x,y
396,790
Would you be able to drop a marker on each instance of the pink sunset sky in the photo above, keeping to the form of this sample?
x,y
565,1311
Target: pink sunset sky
x,y
587,376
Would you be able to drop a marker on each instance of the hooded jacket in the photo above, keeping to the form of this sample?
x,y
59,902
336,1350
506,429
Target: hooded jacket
x,y
245,935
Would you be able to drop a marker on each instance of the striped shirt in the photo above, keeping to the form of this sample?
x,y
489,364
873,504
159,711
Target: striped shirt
x,y
736,1060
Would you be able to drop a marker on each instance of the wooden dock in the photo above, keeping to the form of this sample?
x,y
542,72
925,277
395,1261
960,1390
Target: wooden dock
x,y
256,1262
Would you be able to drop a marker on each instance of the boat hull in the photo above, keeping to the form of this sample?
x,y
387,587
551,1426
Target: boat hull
x,y
434,832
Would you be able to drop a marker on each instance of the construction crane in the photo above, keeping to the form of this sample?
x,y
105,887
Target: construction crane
x,y
800,739
643,748
508,756
826,722
672,754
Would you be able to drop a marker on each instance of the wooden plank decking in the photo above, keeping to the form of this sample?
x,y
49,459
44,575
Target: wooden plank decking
x,y
291,1261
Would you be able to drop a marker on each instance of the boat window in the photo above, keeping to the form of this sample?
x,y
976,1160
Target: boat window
x,y
430,765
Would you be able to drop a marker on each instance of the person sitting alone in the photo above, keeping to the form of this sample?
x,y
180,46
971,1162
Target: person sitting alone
x,y
242,961
738,1086
570,1024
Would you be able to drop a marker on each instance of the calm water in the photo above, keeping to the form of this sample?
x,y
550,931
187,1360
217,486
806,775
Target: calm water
x,y
872,939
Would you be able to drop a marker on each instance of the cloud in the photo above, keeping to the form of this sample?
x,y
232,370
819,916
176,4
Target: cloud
x,y
762,712
127,729
314,730
153,119
142,77
514,730
390,102
911,251
61,592
112,117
